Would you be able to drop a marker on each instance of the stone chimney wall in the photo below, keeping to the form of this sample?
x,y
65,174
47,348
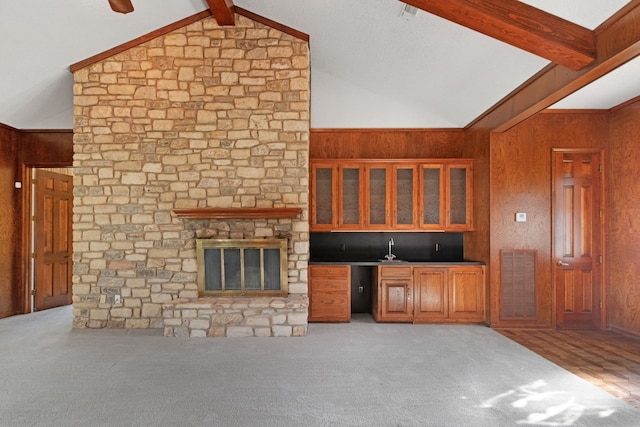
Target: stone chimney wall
x,y
204,116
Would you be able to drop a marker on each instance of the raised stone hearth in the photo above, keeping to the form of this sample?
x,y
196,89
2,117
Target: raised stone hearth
x,y
236,317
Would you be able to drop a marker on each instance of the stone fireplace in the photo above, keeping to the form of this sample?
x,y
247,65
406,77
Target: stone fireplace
x,y
200,117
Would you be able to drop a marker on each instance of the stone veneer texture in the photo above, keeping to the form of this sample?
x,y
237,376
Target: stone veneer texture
x,y
204,116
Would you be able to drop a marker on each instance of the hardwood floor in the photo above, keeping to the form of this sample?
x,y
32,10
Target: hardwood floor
x,y
606,359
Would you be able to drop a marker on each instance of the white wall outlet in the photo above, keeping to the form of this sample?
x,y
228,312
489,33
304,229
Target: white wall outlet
x,y
521,217
116,299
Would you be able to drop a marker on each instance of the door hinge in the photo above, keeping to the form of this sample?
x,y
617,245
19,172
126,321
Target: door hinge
x,y
600,213
33,292
600,167
600,304
34,218
33,255
600,259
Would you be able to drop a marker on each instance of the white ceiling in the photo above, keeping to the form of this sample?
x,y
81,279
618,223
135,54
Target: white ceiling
x,y
371,67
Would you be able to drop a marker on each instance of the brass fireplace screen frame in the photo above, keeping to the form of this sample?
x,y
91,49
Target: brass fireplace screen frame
x,y
239,250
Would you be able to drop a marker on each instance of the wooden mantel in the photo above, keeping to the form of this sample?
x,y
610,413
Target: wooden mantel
x,y
237,213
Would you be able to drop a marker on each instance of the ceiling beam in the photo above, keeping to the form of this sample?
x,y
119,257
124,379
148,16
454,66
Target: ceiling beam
x,y
121,6
519,25
223,11
617,42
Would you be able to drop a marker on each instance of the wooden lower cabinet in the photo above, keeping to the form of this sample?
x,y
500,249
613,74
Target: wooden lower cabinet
x,y
329,293
392,297
429,294
466,293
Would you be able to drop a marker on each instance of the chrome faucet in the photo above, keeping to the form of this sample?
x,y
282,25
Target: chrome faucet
x,y
390,256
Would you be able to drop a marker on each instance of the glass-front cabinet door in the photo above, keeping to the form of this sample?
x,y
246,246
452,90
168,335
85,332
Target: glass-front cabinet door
x,y
324,180
432,190
350,201
459,208
405,197
378,184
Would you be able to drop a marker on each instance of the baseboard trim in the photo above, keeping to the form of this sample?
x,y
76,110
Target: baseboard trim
x,y
626,332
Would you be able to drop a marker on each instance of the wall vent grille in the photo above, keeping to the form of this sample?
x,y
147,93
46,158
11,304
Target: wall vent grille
x,y
518,284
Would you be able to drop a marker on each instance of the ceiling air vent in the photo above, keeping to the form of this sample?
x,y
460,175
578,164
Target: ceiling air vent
x,y
408,11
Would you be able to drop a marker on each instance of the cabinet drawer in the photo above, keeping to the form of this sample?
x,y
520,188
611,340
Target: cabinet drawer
x,y
395,271
337,271
330,286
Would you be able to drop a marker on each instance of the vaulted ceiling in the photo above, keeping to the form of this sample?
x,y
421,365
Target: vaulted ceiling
x,y
373,63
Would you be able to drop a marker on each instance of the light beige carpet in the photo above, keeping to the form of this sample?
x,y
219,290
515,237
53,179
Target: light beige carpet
x,y
357,374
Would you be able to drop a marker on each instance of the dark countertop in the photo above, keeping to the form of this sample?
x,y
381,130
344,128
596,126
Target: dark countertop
x,y
395,263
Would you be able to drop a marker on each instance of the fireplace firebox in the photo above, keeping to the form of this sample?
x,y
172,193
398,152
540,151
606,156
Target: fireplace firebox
x,y
242,267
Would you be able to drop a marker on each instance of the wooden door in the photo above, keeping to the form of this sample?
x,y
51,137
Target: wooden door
x,y
53,240
430,294
578,233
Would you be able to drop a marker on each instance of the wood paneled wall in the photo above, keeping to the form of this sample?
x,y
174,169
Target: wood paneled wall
x,y
521,182
19,149
47,148
386,143
476,243
9,220
623,220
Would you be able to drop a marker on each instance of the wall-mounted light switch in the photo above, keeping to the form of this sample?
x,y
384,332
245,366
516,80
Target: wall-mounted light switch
x,y
521,217
116,299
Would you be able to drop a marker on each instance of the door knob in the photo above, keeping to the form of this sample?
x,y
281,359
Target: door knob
x,y
562,263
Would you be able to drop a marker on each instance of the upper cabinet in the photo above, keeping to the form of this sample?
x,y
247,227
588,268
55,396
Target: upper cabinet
x,y
458,195
350,187
405,196
324,196
378,196
433,206
391,194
